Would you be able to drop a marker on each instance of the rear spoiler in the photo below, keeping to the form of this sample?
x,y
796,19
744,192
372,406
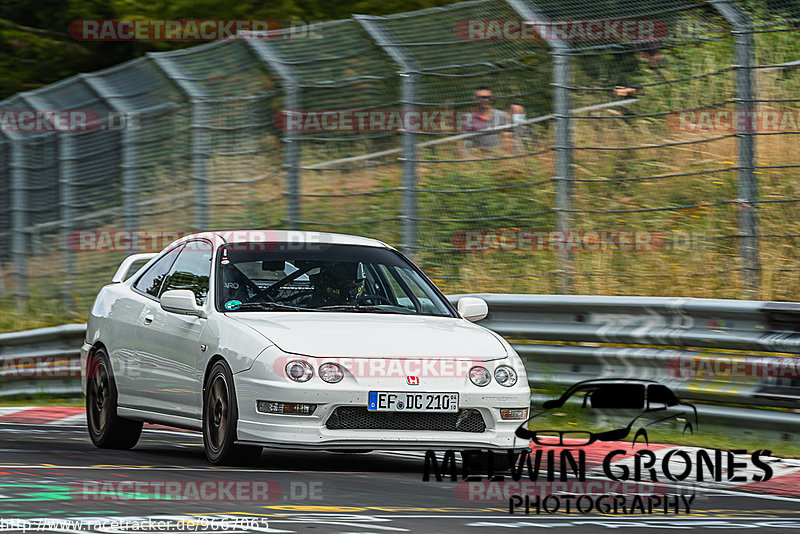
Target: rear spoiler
x,y
122,273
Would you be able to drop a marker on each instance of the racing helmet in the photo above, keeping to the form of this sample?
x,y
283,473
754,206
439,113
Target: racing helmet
x,y
340,283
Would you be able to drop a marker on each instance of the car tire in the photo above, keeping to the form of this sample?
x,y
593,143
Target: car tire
x,y
220,420
106,429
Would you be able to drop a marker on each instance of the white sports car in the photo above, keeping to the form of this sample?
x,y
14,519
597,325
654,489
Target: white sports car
x,y
295,339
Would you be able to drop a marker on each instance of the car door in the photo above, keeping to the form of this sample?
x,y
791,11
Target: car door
x,y
129,313
170,342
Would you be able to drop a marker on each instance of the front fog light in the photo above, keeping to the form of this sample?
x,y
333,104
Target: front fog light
x,y
330,372
505,376
513,413
480,376
299,371
285,408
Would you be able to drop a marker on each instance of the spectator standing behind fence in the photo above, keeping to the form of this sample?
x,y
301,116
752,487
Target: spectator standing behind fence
x,y
524,138
482,118
649,54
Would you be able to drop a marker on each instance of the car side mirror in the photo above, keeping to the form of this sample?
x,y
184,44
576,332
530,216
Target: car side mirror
x,y
472,308
181,301
549,405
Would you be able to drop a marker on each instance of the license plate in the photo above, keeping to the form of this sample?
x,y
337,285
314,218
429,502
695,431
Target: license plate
x,y
388,401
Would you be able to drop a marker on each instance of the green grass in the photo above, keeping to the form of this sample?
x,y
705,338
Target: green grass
x,y
35,316
41,400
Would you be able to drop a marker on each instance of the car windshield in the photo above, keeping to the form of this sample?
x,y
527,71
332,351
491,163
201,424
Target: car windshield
x,y
322,277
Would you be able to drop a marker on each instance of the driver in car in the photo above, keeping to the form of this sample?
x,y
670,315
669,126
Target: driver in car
x,y
338,284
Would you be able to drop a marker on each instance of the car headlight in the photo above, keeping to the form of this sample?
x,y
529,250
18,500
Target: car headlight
x,y
480,376
330,372
299,371
505,376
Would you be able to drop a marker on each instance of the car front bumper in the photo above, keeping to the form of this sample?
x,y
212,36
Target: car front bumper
x,y
259,384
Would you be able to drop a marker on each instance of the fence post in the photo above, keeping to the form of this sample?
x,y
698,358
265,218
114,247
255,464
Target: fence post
x,y
129,160
270,55
66,178
559,51
563,147
67,153
408,97
6,146
200,136
19,219
748,185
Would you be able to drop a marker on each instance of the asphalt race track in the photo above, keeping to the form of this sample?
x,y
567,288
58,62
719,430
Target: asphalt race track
x,y
53,472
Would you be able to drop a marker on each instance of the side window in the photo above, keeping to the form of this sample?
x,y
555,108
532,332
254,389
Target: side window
x,y
659,394
618,396
191,270
151,281
399,294
412,284
374,284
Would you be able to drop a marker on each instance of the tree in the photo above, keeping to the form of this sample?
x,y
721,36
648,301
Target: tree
x,y
36,48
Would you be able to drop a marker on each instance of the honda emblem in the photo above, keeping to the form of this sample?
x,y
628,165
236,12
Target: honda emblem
x,y
412,380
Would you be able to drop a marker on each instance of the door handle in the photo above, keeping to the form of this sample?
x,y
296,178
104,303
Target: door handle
x,y
148,319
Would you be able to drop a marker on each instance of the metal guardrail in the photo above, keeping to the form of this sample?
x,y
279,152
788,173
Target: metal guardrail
x,y
564,339
666,333
42,361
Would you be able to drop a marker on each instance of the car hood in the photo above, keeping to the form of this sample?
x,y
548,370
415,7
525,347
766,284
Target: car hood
x,y
353,335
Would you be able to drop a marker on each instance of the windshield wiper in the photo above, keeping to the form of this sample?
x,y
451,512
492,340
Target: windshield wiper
x,y
267,306
350,307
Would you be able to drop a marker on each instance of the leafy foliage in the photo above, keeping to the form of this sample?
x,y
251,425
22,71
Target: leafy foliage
x,y
36,48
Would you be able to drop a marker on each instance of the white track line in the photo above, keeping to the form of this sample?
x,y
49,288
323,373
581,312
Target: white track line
x,y
14,409
79,419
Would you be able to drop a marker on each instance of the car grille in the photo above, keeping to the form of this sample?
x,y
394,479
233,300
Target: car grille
x,y
358,417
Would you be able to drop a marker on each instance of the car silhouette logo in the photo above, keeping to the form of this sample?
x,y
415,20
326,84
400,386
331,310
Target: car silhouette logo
x,y
642,403
412,380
